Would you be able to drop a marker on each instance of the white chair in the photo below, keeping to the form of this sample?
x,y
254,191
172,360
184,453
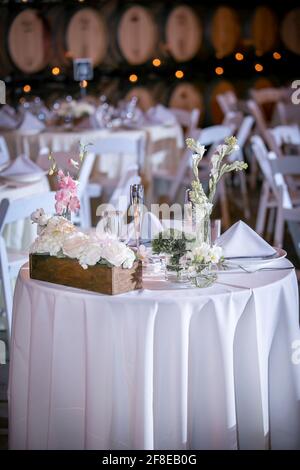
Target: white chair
x,y
189,120
116,145
287,113
227,101
12,260
275,194
4,154
84,188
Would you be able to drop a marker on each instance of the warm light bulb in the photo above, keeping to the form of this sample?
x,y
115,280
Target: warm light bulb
x,y
219,70
239,56
133,78
26,88
83,84
55,71
156,62
179,74
276,55
258,67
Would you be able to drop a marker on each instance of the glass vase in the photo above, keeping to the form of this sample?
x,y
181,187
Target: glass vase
x,y
203,228
203,276
176,268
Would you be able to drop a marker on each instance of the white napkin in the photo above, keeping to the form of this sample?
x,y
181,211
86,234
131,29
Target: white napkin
x,y
241,240
30,122
159,114
20,166
8,118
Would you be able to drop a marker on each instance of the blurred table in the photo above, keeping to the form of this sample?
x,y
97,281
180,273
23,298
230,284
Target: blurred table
x,y
167,367
166,140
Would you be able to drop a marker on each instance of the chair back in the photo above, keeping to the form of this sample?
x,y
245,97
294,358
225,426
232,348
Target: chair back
x,y
214,134
20,209
227,101
187,119
117,145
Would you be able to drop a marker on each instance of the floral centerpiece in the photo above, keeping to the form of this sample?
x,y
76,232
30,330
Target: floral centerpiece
x,y
203,203
75,109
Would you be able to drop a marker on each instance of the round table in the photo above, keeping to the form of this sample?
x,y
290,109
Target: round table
x,y
167,367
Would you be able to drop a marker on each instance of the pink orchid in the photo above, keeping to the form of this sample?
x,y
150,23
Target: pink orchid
x,y
74,204
59,207
62,195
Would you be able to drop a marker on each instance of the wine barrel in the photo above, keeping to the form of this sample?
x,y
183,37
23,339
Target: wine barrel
x,y
224,31
137,35
186,96
264,29
28,41
183,33
77,33
146,96
290,31
214,114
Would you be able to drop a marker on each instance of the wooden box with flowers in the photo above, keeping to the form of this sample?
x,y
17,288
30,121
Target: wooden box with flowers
x,y
62,254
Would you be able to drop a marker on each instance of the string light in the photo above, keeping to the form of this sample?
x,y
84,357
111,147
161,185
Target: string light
x,y
156,62
26,88
276,55
55,71
258,67
133,78
83,84
219,70
239,56
179,74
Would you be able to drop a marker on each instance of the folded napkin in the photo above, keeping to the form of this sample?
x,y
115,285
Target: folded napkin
x,y
159,114
8,118
240,240
31,123
20,166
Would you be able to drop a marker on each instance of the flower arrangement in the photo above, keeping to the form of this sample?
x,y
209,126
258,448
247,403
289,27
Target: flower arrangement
x,y
58,237
175,243
66,197
218,169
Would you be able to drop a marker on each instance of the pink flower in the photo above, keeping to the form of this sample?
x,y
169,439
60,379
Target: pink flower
x,y
59,207
60,174
74,204
62,195
67,182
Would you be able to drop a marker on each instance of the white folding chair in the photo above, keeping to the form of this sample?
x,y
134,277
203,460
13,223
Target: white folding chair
x,y
12,260
275,194
62,158
4,154
187,119
227,101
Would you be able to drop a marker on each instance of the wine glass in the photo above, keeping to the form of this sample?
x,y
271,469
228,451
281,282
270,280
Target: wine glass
x,y
137,202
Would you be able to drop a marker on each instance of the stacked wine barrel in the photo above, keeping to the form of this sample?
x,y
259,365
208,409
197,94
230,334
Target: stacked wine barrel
x,y
131,35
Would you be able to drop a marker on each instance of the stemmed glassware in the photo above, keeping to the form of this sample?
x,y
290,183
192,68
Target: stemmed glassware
x,y
137,202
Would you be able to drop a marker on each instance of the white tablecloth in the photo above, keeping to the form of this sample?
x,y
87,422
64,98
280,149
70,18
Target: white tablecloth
x,y
162,368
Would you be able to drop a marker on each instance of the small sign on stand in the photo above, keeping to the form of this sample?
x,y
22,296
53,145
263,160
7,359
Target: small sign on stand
x,y
83,71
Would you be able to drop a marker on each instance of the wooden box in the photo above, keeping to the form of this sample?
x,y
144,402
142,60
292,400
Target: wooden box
x,y
98,278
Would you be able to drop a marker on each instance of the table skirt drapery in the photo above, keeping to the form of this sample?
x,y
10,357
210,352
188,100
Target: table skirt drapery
x,y
156,369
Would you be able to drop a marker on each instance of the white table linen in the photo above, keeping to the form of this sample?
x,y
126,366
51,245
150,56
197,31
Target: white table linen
x,y
162,368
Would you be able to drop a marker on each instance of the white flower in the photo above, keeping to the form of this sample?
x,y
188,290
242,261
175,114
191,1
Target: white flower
x,y
39,217
128,263
115,252
215,254
91,254
74,244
